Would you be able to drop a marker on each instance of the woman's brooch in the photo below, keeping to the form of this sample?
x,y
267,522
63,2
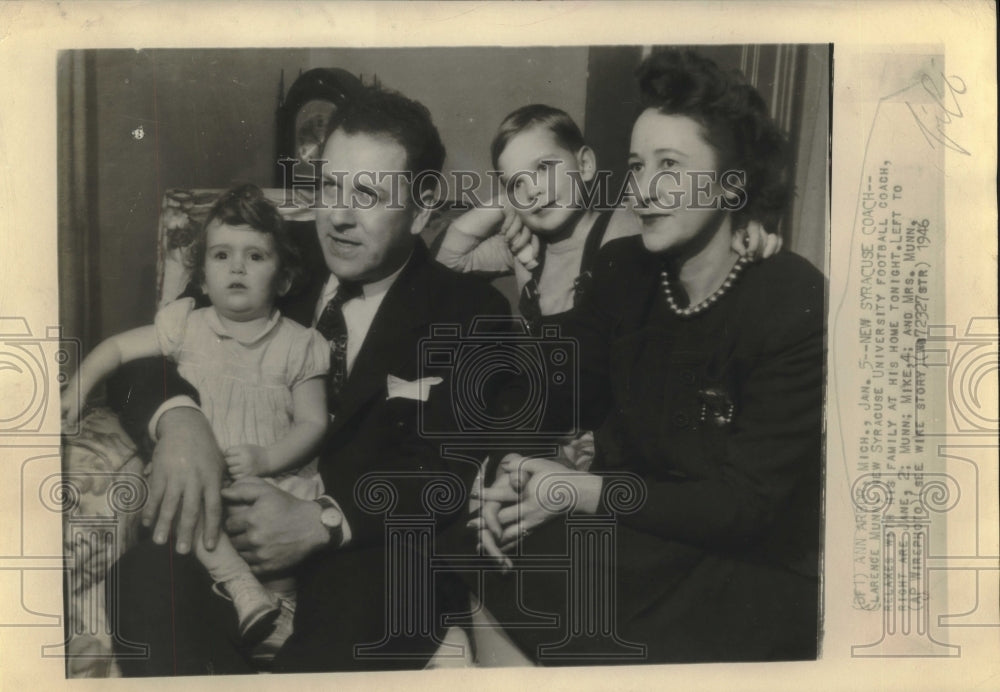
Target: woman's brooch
x,y
716,406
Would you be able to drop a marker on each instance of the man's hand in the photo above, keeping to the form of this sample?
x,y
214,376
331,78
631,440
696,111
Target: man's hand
x,y
247,460
186,474
271,529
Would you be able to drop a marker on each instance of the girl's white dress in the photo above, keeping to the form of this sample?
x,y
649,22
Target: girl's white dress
x,y
246,386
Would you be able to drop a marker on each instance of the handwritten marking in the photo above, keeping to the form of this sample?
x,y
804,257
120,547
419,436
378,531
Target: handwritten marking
x,y
940,115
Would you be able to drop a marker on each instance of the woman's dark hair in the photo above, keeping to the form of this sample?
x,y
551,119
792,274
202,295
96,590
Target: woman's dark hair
x,y
566,132
246,205
735,121
374,110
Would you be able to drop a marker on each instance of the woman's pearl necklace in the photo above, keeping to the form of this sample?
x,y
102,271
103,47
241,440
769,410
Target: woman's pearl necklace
x,y
708,302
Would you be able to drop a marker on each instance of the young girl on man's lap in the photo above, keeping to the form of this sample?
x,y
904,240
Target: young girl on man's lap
x,y
259,376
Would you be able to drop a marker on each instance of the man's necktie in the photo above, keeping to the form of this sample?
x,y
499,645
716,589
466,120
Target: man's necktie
x,y
332,326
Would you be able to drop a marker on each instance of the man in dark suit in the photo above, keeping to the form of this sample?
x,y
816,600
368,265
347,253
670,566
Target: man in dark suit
x,y
381,297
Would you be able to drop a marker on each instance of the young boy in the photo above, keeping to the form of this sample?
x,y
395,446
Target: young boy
x,y
544,233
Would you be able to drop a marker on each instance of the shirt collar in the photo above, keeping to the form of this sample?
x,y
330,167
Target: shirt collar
x,y
371,290
578,238
216,325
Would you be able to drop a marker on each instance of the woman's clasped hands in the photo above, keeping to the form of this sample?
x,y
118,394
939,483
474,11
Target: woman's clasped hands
x,y
528,492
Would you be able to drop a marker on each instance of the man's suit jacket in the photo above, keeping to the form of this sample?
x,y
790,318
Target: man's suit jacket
x,y
373,433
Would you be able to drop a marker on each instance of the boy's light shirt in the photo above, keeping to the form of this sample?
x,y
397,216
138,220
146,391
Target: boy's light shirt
x,y
491,256
559,273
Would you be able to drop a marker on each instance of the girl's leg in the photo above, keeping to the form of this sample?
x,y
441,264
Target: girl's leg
x,y
256,607
305,484
223,563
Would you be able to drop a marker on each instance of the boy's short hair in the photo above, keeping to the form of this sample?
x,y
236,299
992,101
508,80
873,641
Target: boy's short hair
x,y
378,111
567,133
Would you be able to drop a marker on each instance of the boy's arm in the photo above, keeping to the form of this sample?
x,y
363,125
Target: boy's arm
x,y
471,243
105,359
295,448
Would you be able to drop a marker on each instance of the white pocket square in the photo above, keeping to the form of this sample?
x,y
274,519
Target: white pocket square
x,y
404,389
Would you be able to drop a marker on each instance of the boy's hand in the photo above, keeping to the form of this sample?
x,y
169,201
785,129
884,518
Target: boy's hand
x,y
755,242
579,452
523,244
247,460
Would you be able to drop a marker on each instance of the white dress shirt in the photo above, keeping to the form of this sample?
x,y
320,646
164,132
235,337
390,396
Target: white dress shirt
x,y
359,313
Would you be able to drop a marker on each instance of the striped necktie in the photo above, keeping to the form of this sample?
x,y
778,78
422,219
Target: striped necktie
x,y
332,326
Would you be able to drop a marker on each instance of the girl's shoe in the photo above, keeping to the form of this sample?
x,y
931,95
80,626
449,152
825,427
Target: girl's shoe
x,y
256,607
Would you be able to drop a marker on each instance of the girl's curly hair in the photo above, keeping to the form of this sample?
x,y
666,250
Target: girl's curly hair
x,y
246,205
735,123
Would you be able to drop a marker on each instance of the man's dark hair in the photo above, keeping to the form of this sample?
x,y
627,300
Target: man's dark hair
x,y
378,111
735,123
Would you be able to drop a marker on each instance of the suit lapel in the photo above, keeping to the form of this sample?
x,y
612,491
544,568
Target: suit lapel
x,y
389,345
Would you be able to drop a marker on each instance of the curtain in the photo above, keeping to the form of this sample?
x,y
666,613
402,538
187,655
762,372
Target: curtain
x,y
77,217
795,82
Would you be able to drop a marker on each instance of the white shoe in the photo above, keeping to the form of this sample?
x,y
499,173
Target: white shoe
x,y
256,607
264,651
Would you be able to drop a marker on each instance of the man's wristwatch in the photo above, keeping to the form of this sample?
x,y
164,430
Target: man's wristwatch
x,y
331,518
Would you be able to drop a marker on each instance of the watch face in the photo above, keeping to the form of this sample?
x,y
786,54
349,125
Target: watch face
x,y
310,127
330,517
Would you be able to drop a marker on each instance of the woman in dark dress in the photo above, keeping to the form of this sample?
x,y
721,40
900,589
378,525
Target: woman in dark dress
x,y
703,376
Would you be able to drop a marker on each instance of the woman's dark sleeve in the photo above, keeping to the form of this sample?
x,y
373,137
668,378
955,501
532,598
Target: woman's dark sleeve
x,y
772,461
